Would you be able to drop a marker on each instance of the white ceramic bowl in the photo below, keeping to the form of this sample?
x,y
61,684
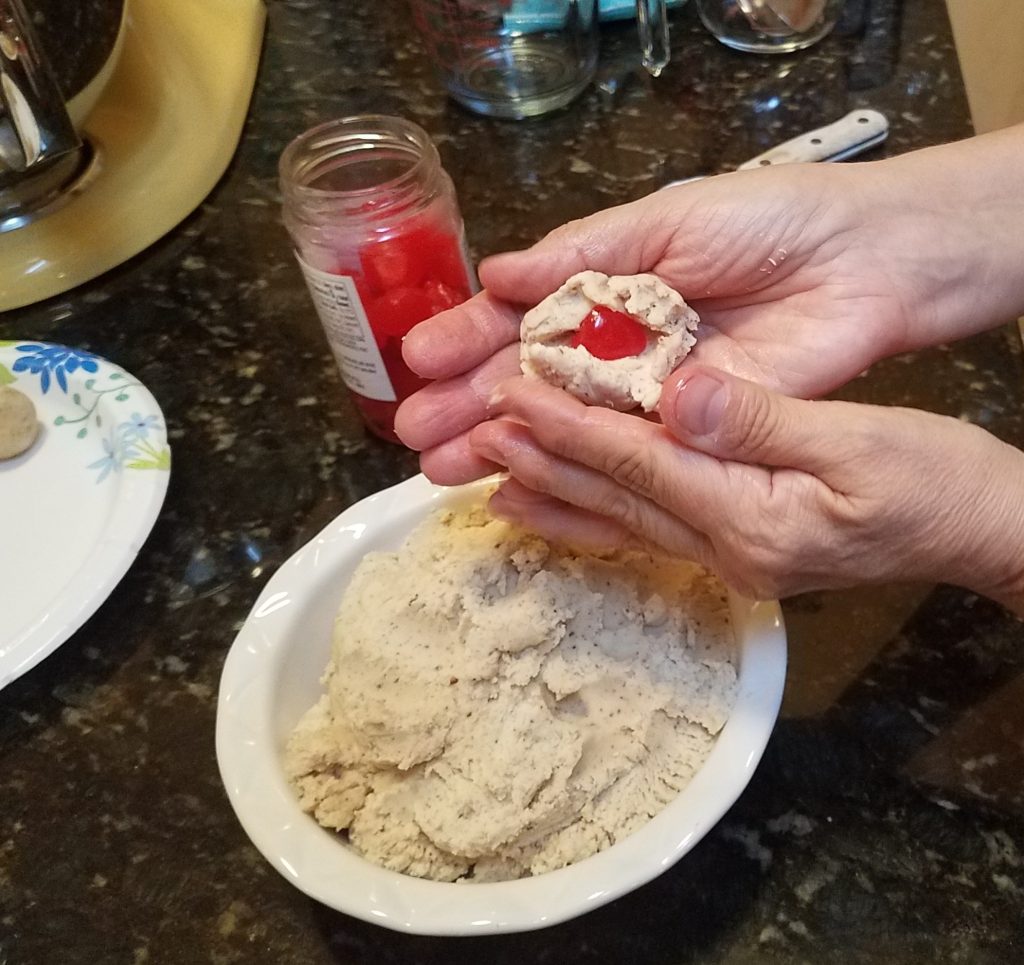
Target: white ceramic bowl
x,y
271,677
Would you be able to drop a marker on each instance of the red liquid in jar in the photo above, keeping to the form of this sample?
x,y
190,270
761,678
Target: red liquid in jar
x,y
404,280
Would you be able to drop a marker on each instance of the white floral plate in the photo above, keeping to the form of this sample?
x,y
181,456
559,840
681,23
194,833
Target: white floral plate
x,y
75,508
272,676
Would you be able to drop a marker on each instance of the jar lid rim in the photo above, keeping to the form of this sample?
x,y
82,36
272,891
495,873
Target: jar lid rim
x,y
362,132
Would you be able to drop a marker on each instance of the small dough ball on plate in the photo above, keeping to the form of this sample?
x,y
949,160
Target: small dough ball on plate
x,y
609,341
18,425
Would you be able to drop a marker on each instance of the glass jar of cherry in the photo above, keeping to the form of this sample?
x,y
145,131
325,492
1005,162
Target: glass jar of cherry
x,y
378,234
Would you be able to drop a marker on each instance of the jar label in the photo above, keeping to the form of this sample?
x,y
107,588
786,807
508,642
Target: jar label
x,y
348,332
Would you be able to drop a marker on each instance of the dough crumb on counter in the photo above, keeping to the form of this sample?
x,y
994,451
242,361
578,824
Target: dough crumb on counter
x,y
496,707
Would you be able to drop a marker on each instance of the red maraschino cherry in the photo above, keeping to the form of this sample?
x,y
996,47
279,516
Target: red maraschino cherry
x,y
609,334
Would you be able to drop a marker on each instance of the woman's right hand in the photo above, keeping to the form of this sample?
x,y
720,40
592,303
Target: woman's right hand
x,y
803,276
776,495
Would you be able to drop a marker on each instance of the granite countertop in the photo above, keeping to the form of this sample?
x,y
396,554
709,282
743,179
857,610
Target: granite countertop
x,y
886,821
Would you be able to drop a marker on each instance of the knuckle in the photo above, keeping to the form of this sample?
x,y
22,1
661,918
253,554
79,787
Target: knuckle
x,y
752,423
871,436
615,448
572,236
620,505
566,230
632,469
532,469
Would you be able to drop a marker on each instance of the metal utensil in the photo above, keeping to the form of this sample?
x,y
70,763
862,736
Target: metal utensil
x,y
849,136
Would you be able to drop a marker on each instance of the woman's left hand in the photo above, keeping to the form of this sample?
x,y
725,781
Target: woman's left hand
x,y
776,495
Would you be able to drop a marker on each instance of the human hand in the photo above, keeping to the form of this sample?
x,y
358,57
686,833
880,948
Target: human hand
x,y
776,495
751,252
802,275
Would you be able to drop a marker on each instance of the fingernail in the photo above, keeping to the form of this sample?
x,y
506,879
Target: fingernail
x,y
500,507
699,404
487,450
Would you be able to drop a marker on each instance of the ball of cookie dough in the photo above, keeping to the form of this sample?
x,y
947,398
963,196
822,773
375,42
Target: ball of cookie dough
x,y
609,341
18,425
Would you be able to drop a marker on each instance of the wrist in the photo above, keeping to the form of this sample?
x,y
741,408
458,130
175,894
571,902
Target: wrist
x,y
1006,582
950,220
994,565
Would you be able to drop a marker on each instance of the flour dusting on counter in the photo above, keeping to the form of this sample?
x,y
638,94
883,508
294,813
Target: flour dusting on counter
x,y
496,707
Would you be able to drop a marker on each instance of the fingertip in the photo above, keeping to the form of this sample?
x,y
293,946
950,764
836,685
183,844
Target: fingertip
x,y
428,347
454,463
670,391
693,400
484,445
671,384
527,276
500,440
478,436
407,423
457,340
495,270
501,507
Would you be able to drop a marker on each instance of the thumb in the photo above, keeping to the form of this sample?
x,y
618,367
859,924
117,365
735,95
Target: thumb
x,y
734,419
625,240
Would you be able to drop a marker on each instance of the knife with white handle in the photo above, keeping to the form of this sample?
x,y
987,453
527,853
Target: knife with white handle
x,y
848,136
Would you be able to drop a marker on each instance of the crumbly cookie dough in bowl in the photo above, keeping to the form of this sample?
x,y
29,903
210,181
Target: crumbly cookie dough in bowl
x,y
496,707
274,675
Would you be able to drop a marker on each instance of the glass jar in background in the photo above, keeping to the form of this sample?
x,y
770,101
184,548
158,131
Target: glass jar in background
x,y
511,58
520,58
769,26
378,234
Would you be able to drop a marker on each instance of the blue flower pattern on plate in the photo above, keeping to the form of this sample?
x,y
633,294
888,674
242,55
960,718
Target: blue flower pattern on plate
x,y
127,447
57,361
110,462
141,424
138,442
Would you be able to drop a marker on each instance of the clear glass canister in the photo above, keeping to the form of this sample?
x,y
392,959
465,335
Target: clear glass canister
x,y
378,234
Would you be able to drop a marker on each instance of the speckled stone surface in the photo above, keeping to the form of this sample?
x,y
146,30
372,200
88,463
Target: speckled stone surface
x,y
76,38
886,822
